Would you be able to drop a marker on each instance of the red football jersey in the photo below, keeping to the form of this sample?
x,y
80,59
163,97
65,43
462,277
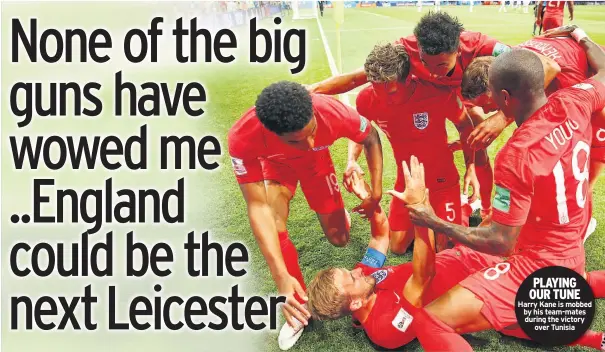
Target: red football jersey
x,y
472,45
249,141
541,174
568,54
388,324
554,9
416,125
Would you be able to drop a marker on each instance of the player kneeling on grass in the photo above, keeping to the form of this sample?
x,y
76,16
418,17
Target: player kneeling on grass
x,y
413,114
541,208
383,299
284,140
573,66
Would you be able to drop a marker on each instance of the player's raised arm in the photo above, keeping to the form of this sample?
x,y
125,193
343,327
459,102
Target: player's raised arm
x,y
379,225
353,153
423,260
373,152
340,84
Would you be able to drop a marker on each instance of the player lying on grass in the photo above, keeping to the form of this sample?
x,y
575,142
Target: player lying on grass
x,y
542,205
284,140
413,114
552,13
384,299
571,58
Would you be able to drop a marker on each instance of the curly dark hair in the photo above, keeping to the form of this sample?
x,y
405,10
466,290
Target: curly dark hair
x,y
284,107
438,32
387,62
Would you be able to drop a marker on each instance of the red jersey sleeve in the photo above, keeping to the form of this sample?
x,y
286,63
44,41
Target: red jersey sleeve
x,y
589,95
345,119
453,108
242,140
514,188
363,103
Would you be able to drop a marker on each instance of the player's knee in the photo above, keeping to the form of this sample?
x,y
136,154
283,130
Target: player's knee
x,y
398,249
400,241
338,237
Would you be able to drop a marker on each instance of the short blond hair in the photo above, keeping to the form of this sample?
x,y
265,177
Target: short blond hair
x,y
475,79
326,300
387,62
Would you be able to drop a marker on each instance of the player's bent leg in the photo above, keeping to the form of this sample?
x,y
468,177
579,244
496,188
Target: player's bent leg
x,y
336,227
439,324
322,190
400,241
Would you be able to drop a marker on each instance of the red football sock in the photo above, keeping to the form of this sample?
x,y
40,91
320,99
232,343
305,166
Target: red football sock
x,y
435,335
596,280
590,339
485,176
290,255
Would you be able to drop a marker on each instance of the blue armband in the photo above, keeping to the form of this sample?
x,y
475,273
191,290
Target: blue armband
x,y
373,258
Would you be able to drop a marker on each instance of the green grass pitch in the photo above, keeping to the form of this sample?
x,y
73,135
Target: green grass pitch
x,y
361,30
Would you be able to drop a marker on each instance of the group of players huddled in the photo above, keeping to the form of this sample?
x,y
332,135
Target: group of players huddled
x,y
461,279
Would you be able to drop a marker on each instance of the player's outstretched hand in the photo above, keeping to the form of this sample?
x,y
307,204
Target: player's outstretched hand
x,y
347,178
470,179
414,183
287,287
564,31
487,131
421,214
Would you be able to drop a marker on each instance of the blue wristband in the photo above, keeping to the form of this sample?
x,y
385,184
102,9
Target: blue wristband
x,y
373,258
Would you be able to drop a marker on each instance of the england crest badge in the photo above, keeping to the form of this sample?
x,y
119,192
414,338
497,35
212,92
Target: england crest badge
x,y
380,275
421,120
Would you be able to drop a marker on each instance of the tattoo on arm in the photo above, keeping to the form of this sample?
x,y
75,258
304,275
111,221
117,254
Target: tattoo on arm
x,y
496,239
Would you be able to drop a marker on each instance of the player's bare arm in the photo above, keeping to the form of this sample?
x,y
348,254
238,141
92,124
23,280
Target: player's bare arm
x,y
354,151
496,239
464,125
595,56
340,84
570,8
379,224
423,258
373,152
264,229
